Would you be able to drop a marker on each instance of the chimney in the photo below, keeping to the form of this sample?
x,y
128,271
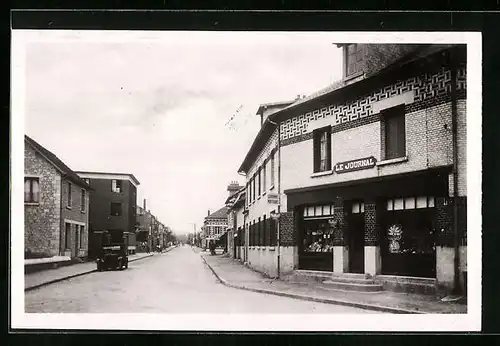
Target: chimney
x,y
144,204
208,212
233,187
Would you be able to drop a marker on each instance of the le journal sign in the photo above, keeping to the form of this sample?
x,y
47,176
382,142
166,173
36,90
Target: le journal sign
x,y
355,165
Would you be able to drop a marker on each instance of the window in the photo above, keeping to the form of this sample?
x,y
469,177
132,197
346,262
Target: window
x,y
31,190
272,169
69,195
67,236
395,136
116,186
116,209
259,181
354,59
273,230
82,236
82,201
264,176
322,149
410,203
253,191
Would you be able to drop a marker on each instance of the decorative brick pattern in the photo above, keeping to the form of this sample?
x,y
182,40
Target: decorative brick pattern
x,y
372,228
428,87
338,232
444,224
288,230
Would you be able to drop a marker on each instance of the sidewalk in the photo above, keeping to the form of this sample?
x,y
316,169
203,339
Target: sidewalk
x,y
234,274
46,277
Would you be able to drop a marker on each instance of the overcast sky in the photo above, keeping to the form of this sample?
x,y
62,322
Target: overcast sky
x,y
158,107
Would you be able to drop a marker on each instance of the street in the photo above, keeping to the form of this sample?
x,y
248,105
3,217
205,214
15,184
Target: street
x,y
175,282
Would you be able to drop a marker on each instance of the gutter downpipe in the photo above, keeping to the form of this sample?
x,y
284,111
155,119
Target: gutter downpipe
x,y
278,231
456,262
245,243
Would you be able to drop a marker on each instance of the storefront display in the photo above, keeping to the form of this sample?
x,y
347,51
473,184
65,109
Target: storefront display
x,y
409,246
316,250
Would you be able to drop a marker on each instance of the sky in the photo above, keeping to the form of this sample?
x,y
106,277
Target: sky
x,y
157,106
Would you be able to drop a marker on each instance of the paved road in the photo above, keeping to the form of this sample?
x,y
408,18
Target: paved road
x,y
177,281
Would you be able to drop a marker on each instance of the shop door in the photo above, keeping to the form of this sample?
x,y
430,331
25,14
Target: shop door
x,y
74,253
408,243
356,238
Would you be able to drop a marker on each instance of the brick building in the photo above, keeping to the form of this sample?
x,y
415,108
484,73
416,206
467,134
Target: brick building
x,y
215,226
372,169
235,222
112,206
56,205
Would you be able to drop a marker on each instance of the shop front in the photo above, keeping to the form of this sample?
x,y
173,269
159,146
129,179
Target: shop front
x,y
389,225
316,234
408,237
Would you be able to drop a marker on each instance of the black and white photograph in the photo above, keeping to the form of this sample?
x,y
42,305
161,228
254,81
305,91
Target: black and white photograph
x,y
246,180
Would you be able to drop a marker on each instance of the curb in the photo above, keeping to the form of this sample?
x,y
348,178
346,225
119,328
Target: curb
x,y
308,298
27,289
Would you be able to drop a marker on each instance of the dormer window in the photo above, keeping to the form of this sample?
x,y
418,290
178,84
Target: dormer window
x,y
354,56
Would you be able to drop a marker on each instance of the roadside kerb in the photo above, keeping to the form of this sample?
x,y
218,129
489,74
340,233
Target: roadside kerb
x,y
314,299
81,274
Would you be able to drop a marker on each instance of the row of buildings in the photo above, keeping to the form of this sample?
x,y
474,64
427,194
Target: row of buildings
x,y
366,176
65,210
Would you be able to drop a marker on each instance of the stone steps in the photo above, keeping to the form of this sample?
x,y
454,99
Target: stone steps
x,y
366,286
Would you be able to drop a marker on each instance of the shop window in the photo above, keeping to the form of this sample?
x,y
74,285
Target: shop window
x,y
317,236
358,208
318,211
395,133
31,190
322,149
410,203
398,204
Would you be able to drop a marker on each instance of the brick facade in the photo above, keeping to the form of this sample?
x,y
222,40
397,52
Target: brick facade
x,y
288,229
372,228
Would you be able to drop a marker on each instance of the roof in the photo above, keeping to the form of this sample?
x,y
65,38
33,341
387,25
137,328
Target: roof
x,y
219,214
236,197
268,127
273,104
57,163
134,179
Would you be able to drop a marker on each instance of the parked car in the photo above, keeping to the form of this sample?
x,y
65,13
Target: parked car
x,y
113,257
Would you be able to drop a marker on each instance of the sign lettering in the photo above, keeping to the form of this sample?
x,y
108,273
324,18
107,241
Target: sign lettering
x,y
355,165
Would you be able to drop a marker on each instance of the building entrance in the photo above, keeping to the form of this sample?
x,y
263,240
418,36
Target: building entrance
x,y
356,236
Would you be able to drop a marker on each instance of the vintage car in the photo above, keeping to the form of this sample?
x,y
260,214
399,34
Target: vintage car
x,y
112,257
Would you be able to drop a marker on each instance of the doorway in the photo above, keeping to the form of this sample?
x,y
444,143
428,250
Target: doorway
x,y
356,237
76,244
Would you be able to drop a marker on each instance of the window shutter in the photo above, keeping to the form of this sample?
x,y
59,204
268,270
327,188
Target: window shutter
x,y
329,148
316,152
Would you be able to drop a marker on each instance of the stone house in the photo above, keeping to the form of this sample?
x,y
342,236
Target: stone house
x,y
215,226
372,169
56,205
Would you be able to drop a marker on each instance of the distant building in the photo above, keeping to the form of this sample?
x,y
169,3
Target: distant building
x,y
56,205
113,206
215,226
236,232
